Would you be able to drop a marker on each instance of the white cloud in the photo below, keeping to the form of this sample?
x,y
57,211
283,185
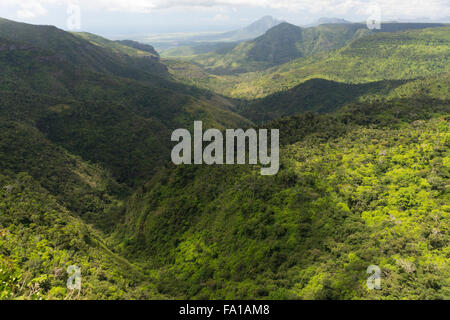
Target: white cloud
x,y
27,9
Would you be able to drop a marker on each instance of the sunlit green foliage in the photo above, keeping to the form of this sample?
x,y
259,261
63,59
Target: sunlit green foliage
x,y
370,192
39,239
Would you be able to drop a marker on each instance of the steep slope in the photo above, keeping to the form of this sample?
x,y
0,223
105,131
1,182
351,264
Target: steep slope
x,y
85,189
52,202
82,53
383,56
125,47
81,109
399,55
40,239
363,186
75,137
81,124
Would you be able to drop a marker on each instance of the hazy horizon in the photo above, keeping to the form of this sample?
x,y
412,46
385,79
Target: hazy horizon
x,y
116,18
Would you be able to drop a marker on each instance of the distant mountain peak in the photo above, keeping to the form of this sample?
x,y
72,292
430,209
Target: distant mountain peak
x,y
283,28
249,32
266,22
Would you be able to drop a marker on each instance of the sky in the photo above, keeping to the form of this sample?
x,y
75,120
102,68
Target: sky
x,y
127,17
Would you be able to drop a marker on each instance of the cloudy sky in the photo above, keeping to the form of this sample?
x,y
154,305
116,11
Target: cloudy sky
x,y
114,17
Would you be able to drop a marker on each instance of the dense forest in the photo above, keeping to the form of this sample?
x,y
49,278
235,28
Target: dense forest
x,y
86,177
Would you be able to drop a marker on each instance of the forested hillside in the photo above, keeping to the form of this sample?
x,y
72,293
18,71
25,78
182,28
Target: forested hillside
x,y
86,110
86,177
365,186
82,120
